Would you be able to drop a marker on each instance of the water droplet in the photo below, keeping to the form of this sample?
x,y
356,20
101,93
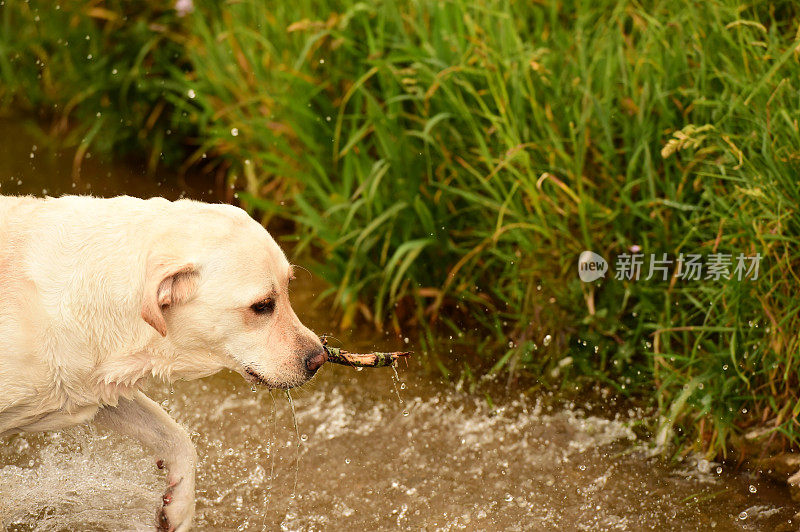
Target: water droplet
x,y
191,93
546,340
253,388
304,437
402,386
753,489
235,132
346,460
508,497
405,412
719,470
743,516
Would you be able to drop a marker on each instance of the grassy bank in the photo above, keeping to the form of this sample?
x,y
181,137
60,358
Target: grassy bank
x,y
450,160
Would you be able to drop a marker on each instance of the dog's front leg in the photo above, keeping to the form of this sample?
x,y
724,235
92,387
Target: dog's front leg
x,y
143,419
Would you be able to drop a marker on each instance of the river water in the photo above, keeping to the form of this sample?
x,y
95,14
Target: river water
x,y
372,451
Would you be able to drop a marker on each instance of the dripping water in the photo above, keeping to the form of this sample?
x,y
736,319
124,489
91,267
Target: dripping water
x,y
297,433
395,380
271,443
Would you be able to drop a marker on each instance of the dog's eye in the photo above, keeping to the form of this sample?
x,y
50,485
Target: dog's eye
x,y
263,307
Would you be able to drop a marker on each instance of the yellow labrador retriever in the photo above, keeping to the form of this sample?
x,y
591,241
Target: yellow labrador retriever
x,y
99,295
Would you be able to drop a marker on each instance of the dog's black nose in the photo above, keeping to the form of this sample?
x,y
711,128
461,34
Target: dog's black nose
x,y
315,360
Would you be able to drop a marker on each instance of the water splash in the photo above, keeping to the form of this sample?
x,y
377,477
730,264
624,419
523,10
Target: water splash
x,y
50,478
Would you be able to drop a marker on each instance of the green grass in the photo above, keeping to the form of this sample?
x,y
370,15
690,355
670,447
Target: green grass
x,y
448,161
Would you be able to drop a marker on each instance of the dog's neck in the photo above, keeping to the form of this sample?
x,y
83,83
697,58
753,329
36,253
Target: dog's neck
x,y
124,373
169,364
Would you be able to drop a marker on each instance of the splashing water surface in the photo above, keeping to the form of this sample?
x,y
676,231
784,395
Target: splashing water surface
x,y
453,462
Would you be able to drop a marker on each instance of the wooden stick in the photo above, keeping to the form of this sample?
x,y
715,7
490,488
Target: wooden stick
x,y
363,360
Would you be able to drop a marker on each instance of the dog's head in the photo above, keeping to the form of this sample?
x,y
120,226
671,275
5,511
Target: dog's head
x,y
217,291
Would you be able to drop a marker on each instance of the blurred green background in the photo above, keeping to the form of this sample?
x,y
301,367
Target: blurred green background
x,y
446,162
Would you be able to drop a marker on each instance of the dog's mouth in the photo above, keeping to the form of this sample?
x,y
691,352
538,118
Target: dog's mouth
x,y
253,377
256,379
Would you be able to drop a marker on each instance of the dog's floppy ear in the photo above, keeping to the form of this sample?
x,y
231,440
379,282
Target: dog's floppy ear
x,y
167,283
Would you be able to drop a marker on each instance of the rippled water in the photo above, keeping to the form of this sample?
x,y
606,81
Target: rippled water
x,y
433,458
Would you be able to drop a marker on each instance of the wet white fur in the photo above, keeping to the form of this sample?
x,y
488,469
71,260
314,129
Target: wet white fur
x,y
98,295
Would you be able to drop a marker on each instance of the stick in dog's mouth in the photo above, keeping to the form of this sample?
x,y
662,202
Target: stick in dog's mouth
x,y
337,355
